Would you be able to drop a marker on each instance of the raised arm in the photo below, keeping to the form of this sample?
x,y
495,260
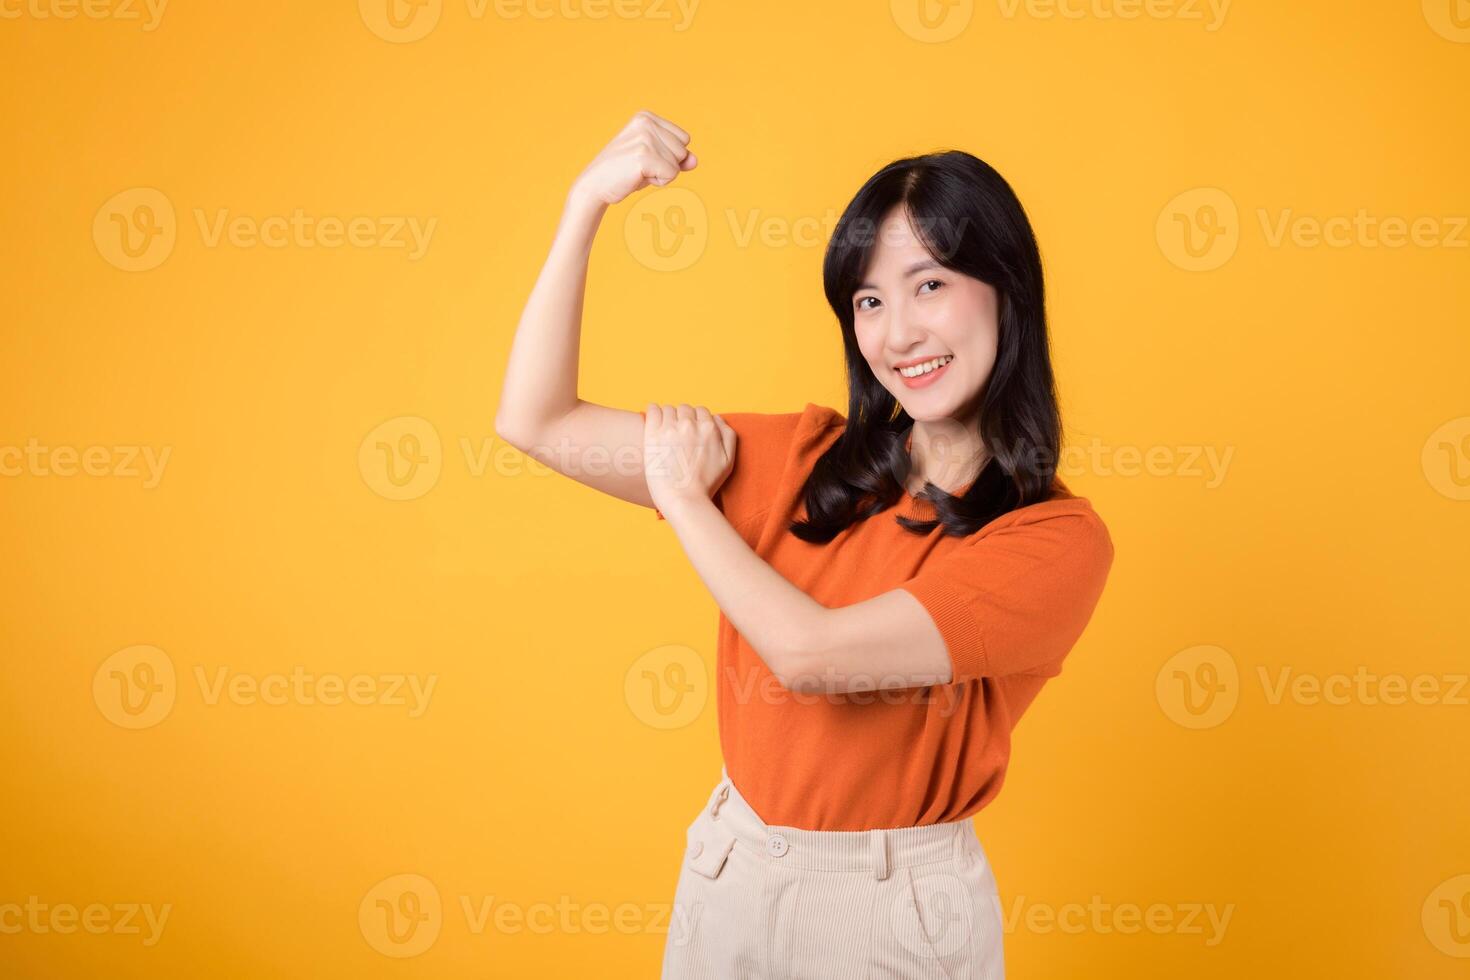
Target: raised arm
x,y
540,412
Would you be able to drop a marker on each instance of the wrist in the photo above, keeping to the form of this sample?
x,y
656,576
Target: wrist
x,y
680,505
582,203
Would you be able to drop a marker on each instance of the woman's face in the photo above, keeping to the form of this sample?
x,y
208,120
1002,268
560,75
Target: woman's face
x,y
910,310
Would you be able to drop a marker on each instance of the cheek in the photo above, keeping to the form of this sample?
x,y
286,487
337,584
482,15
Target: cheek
x,y
978,350
969,324
961,311
869,342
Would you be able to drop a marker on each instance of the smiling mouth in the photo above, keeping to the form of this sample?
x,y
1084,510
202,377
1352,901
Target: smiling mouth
x,y
924,368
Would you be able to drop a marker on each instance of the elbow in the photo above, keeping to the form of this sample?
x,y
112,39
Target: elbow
x,y
513,423
798,664
527,430
502,428
507,430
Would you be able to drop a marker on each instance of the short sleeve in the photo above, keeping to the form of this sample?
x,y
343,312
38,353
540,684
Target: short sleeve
x,y
1016,600
763,445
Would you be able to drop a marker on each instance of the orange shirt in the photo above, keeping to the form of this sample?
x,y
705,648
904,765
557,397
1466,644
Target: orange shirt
x,y
1010,601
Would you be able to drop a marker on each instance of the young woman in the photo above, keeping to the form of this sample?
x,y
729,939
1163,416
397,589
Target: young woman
x,y
895,585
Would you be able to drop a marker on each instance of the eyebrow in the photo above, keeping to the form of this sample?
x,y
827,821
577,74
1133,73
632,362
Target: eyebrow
x,y
916,267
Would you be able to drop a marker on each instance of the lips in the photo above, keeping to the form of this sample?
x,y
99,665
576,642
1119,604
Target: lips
x,y
912,362
925,380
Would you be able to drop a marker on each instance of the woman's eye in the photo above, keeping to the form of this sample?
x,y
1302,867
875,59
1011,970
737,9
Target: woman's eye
x,y
864,300
927,281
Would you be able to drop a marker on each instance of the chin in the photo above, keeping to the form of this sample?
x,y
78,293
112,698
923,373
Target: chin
x,y
936,409
934,412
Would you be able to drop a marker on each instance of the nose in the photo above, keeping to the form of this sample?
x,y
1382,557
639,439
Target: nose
x,y
905,330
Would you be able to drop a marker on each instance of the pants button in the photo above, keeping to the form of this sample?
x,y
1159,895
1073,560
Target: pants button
x,y
777,845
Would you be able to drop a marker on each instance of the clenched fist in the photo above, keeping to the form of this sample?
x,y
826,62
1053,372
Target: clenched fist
x,y
648,150
687,453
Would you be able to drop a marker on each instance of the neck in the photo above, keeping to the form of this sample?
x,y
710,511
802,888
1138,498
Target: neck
x,y
945,452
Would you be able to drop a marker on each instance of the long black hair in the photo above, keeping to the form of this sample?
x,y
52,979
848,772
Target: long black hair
x,y
970,220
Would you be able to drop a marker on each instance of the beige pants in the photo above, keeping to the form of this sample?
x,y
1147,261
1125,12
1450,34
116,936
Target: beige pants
x,y
759,902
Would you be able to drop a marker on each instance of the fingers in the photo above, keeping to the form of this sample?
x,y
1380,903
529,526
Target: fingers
x,y
669,143
661,173
728,435
659,165
664,137
663,123
684,412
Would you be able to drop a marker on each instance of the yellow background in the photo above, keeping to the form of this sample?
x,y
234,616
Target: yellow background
x,y
1334,540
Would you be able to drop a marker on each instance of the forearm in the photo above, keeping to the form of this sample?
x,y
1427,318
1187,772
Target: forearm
x,y
883,643
777,619
540,382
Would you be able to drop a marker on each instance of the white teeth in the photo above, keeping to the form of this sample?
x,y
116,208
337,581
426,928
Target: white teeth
x,y
921,369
